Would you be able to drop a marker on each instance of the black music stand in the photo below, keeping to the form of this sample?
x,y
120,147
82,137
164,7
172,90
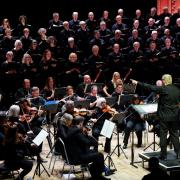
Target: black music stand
x,y
142,110
59,93
82,104
125,99
154,143
118,118
129,88
111,101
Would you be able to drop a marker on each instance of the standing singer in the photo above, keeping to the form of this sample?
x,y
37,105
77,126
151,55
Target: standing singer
x,y
168,107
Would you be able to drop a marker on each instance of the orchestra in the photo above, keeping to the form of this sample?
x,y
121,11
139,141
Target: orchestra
x,y
93,60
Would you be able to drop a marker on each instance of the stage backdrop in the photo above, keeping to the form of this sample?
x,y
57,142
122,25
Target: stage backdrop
x,y
172,4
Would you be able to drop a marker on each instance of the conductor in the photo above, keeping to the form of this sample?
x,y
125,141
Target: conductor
x,y
168,107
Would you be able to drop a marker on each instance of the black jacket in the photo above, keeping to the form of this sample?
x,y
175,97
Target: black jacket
x,y
168,101
78,144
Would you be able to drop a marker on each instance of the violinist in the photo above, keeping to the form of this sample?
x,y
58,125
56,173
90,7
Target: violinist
x,y
102,112
134,122
15,151
79,152
63,125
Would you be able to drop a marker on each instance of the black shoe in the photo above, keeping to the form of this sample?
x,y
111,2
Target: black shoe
x,y
41,160
106,150
103,178
110,172
139,145
163,158
125,146
178,156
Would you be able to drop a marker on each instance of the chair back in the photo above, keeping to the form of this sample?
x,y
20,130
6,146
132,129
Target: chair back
x,y
63,150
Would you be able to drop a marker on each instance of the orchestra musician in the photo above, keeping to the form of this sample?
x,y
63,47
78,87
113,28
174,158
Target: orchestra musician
x,y
63,125
134,122
93,96
110,87
15,150
78,145
70,95
48,93
102,112
167,111
82,88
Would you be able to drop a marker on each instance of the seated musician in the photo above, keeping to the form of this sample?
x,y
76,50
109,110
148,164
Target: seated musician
x,y
82,88
79,140
15,151
102,112
93,96
48,94
63,125
70,95
108,89
134,122
117,93
35,98
24,91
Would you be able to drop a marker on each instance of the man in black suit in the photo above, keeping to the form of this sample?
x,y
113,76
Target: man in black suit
x,y
78,147
168,108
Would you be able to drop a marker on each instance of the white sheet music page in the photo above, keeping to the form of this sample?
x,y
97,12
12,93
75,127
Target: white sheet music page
x,y
149,108
107,128
40,137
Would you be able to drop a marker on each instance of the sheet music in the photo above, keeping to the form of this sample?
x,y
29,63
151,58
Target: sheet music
x,y
150,108
107,128
40,137
146,108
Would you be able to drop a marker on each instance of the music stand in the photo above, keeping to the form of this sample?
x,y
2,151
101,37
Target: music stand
x,y
59,93
107,131
82,104
125,99
99,86
37,141
117,118
51,106
143,110
129,88
111,101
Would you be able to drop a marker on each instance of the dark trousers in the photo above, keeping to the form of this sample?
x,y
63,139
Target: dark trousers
x,y
172,127
134,125
26,165
96,133
97,166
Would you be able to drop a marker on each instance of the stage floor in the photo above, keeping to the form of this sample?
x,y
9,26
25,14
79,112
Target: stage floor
x,y
171,164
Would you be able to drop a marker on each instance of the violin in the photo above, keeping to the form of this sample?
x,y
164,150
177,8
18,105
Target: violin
x,y
82,112
109,110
